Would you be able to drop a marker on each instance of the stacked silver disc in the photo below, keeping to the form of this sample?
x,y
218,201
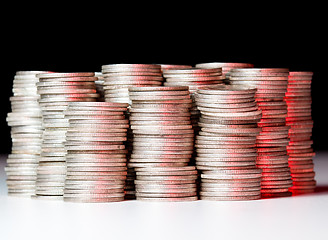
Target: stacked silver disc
x,y
56,91
226,144
272,142
117,79
226,67
96,155
26,134
193,78
173,66
299,118
162,143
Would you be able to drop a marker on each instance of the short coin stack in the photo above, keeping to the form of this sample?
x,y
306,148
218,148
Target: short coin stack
x,y
226,144
162,144
96,155
271,84
226,67
298,98
56,91
26,133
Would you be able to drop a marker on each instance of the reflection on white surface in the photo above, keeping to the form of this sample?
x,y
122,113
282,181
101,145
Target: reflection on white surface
x,y
301,217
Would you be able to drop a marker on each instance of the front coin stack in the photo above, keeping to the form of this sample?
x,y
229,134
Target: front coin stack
x,y
271,84
298,98
117,79
226,144
26,134
226,67
56,91
162,143
96,155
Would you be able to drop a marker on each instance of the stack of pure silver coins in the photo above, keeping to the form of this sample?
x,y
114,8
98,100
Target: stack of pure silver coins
x,y
162,144
56,91
26,134
96,155
226,144
272,142
299,119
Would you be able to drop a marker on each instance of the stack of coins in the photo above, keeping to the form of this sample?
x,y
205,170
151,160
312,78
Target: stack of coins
x,y
56,91
226,144
298,98
226,67
26,134
271,84
117,79
96,155
162,143
193,78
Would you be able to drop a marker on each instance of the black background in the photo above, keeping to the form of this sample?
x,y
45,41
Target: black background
x,y
297,44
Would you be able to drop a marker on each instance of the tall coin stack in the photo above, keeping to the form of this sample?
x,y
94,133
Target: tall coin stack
x,y
96,155
56,91
226,67
226,144
193,78
117,79
162,144
298,98
272,142
26,134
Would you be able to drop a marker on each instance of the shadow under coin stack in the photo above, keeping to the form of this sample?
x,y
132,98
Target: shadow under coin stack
x,y
117,79
56,91
226,144
226,67
26,134
298,98
162,144
96,155
272,142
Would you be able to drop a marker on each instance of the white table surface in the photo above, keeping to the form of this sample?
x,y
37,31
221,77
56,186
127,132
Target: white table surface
x,y
301,217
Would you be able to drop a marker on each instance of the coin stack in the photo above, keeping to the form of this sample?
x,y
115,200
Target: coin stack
x,y
96,155
271,84
226,144
26,134
226,67
298,98
162,143
117,79
193,78
56,91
